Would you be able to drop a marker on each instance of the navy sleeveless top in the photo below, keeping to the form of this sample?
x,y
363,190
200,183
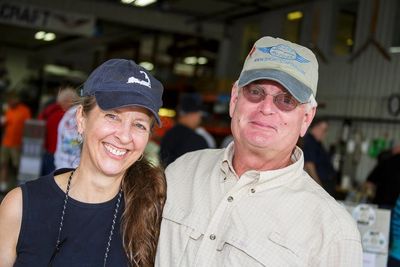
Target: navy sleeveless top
x,y
86,228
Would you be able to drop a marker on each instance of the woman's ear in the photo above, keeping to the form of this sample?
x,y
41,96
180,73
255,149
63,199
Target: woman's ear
x,y
80,119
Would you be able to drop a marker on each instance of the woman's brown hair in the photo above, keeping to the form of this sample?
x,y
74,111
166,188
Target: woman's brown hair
x,y
144,190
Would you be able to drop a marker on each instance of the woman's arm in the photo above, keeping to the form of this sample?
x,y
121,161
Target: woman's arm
x,y
10,224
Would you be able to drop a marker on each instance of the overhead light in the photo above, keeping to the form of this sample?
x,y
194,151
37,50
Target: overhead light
x,y
166,112
294,15
202,60
45,36
144,2
147,65
195,60
349,41
56,69
394,49
39,35
49,36
190,60
64,71
138,2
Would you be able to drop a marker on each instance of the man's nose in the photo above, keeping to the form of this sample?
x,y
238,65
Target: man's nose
x,y
267,106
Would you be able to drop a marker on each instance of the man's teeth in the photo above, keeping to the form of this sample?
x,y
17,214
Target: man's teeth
x,y
115,151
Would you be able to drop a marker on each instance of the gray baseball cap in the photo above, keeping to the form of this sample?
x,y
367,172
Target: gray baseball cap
x,y
294,66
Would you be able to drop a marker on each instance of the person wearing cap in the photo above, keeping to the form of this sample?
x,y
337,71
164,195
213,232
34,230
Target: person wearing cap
x,y
106,212
183,138
252,204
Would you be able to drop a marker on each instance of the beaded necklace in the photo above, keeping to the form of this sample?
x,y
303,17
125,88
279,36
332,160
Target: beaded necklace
x,y
60,242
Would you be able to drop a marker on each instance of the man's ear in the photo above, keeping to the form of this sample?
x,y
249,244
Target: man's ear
x,y
234,98
307,119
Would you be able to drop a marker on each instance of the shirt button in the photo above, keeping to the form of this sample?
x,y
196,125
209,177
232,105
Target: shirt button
x,y
230,198
253,190
212,237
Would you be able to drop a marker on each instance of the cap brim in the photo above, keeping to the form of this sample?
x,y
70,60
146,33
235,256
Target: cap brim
x,y
298,90
115,99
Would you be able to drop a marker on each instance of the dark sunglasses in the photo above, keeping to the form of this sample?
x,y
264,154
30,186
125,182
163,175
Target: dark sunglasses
x,y
282,101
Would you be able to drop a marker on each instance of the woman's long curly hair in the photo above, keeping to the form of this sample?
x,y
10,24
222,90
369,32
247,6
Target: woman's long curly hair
x,y
144,190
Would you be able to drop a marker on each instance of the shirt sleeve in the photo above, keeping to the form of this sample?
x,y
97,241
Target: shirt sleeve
x,y
342,253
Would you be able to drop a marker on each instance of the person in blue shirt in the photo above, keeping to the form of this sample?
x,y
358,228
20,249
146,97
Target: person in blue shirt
x,y
317,161
394,254
183,138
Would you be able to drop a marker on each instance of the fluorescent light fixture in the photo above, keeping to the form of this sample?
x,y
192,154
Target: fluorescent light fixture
x,y
294,15
49,36
127,1
202,60
190,60
166,112
147,65
39,35
394,49
56,69
183,69
144,2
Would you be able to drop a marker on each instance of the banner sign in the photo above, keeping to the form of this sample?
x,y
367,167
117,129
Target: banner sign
x,y
42,18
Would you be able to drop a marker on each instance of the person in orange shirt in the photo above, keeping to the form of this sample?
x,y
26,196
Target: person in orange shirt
x,y
13,122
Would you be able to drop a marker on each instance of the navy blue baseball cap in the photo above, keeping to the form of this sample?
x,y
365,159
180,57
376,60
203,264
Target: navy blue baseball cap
x,y
121,83
190,102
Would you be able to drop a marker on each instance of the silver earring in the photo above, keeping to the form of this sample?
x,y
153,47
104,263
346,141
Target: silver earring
x,y
80,138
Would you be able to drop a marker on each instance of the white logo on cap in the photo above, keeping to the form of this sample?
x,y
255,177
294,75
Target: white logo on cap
x,y
145,82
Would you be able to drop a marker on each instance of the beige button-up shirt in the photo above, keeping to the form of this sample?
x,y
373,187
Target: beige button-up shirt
x,y
270,218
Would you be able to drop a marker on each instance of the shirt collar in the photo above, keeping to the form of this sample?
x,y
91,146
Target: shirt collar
x,y
275,177
226,164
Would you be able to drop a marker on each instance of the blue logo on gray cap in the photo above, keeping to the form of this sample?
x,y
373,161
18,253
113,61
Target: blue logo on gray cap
x,y
283,52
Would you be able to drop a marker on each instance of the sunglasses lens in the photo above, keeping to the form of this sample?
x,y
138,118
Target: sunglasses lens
x,y
285,102
253,95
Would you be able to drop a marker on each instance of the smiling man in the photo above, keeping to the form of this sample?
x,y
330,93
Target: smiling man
x,y
252,204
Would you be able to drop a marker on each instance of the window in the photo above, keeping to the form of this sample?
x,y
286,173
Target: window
x,y
345,27
395,48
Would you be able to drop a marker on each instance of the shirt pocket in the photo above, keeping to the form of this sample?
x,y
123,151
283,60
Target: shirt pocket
x,y
268,250
180,235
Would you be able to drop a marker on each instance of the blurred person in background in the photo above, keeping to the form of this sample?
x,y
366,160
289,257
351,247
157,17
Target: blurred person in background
x,y
383,182
107,211
13,124
53,114
207,136
69,141
317,161
252,203
182,138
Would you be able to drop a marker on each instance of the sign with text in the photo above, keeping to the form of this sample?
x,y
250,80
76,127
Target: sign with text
x,y
42,18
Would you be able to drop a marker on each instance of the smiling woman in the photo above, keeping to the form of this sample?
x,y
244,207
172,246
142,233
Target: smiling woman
x,y
107,211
